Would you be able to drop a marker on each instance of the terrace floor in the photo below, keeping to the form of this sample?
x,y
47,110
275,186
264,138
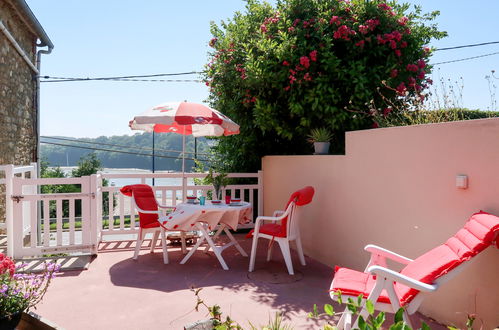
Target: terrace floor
x,y
116,292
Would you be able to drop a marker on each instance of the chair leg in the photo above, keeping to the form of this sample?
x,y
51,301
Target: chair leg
x,y
253,252
182,242
299,249
154,240
163,244
284,244
345,322
407,319
270,250
138,244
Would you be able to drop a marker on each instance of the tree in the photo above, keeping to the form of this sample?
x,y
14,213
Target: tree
x,y
281,72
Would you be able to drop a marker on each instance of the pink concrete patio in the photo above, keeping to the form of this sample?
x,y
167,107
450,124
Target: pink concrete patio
x,y
119,293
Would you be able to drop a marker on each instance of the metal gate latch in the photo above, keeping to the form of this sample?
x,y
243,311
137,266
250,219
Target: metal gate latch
x,y
17,198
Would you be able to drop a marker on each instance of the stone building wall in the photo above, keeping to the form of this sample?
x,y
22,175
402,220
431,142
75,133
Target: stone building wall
x,y
18,117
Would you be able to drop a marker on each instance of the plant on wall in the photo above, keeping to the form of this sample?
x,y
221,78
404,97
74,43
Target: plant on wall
x,y
281,71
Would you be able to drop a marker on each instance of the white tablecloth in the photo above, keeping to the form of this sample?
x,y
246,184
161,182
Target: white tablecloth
x,y
186,215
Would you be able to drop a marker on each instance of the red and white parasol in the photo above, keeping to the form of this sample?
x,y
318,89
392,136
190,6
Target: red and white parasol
x,y
185,118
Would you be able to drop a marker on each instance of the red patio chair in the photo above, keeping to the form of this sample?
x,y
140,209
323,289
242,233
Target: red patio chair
x,y
283,229
145,202
389,290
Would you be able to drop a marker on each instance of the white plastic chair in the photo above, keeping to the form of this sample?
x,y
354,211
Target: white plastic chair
x,y
282,229
145,202
389,290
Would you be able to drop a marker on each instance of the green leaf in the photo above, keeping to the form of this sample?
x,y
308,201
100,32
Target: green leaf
x,y
369,307
425,326
362,323
399,315
329,309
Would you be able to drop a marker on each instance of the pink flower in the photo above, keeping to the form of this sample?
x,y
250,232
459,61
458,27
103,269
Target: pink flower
x,y
380,39
386,111
287,88
412,82
304,60
285,63
307,77
426,50
402,20
296,21
412,67
384,6
403,44
421,64
363,29
401,89
393,44
263,28
372,23
421,75
313,55
292,79
360,44
343,32
213,41
335,19
398,52
394,73
291,29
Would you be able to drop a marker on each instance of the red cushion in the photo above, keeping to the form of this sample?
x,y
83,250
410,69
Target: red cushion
x,y
300,197
353,283
145,200
477,234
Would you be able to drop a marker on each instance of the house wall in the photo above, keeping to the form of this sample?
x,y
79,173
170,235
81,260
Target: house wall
x,y
18,135
395,187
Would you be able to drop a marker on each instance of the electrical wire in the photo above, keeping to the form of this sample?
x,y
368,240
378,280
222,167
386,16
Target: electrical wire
x,y
120,146
119,151
467,46
465,59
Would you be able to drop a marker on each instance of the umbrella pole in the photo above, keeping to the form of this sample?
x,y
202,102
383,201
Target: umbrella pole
x,y
184,181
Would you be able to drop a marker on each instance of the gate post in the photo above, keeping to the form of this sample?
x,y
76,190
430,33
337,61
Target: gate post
x,y
9,209
95,210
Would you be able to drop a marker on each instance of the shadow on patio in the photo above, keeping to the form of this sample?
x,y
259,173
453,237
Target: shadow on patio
x,y
118,292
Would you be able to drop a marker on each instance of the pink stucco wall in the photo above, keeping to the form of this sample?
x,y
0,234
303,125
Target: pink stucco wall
x,y
396,187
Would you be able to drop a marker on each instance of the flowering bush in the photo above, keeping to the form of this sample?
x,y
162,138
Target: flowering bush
x,y
20,292
280,72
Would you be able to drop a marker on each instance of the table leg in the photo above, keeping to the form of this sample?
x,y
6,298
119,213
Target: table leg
x,y
217,233
206,236
231,237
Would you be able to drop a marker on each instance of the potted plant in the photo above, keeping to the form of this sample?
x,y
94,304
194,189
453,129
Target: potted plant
x,y
218,180
320,137
20,292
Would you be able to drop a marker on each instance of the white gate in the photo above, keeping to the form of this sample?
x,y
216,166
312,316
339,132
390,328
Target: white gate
x,y
53,222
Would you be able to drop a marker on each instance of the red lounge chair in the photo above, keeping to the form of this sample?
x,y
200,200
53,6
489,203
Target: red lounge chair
x,y
407,288
283,229
146,204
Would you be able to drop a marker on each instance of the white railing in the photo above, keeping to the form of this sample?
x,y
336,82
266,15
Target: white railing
x,y
49,223
122,218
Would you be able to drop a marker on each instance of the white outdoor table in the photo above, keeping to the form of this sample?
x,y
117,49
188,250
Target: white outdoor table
x,y
208,217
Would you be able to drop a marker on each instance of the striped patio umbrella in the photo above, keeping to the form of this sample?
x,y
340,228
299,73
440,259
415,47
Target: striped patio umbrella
x,y
184,118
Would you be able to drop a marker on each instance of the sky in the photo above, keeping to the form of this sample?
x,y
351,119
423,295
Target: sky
x,y
95,38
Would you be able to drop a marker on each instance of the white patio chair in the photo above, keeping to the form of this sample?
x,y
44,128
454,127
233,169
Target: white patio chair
x,y
283,229
145,202
389,290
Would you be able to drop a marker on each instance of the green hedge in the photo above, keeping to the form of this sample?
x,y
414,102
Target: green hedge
x,y
434,116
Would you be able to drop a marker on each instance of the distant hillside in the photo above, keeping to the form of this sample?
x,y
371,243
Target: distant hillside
x,y
136,150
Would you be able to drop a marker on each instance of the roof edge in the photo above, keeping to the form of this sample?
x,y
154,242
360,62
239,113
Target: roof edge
x,y
42,35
